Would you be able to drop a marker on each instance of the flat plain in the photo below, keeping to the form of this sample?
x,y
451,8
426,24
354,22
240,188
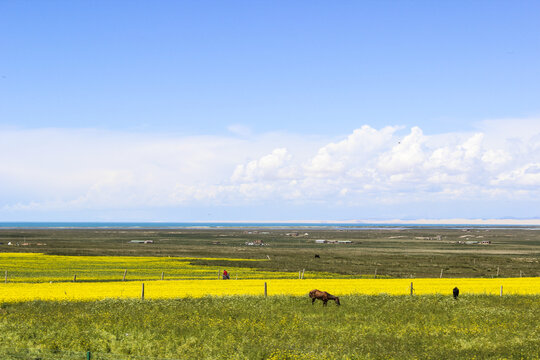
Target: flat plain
x,y
391,252
284,325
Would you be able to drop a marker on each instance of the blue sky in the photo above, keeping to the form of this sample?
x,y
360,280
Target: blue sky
x,y
259,110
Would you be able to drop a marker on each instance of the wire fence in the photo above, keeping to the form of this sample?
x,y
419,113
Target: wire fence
x,y
10,276
49,354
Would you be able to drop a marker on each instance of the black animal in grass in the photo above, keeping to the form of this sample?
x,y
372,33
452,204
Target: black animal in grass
x,y
455,292
317,256
323,296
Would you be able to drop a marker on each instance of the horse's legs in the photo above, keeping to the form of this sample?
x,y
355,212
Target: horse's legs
x,y
324,299
313,301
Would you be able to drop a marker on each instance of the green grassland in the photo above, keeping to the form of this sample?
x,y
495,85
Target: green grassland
x,y
363,327
416,252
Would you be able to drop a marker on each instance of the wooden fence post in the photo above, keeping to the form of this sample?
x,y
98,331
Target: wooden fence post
x,y
501,290
125,273
441,273
412,289
142,292
497,271
162,275
265,290
75,278
299,274
6,276
520,273
303,273
375,273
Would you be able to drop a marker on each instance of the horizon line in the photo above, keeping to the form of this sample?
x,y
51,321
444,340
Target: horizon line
x,y
423,221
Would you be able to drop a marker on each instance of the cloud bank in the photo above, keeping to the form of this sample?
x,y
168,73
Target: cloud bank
x,y
61,169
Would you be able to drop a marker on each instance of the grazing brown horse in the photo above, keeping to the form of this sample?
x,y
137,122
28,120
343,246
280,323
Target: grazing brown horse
x,y
322,295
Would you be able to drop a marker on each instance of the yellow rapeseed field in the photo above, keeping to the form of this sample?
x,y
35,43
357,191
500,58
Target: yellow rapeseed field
x,y
15,292
35,267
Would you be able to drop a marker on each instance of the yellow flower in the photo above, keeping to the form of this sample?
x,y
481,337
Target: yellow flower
x,y
12,292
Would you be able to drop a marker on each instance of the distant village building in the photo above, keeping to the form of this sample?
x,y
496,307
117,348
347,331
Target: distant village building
x,y
255,243
483,242
296,233
438,237
322,241
142,241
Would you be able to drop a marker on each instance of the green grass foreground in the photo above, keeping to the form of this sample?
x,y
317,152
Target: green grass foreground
x,y
364,327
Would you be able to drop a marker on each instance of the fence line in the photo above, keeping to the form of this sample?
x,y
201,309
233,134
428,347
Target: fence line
x,y
155,274
36,353
12,276
157,289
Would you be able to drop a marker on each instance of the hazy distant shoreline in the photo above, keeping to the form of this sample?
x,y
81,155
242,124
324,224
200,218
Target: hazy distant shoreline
x,y
351,224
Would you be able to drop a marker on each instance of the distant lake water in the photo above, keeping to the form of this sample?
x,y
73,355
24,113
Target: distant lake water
x,y
235,225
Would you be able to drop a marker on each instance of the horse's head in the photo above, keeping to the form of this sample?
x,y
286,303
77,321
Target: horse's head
x,y
337,301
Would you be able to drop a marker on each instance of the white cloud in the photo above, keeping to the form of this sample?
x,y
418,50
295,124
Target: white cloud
x,y
239,129
90,169
268,167
379,164
106,169
355,150
525,176
405,156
